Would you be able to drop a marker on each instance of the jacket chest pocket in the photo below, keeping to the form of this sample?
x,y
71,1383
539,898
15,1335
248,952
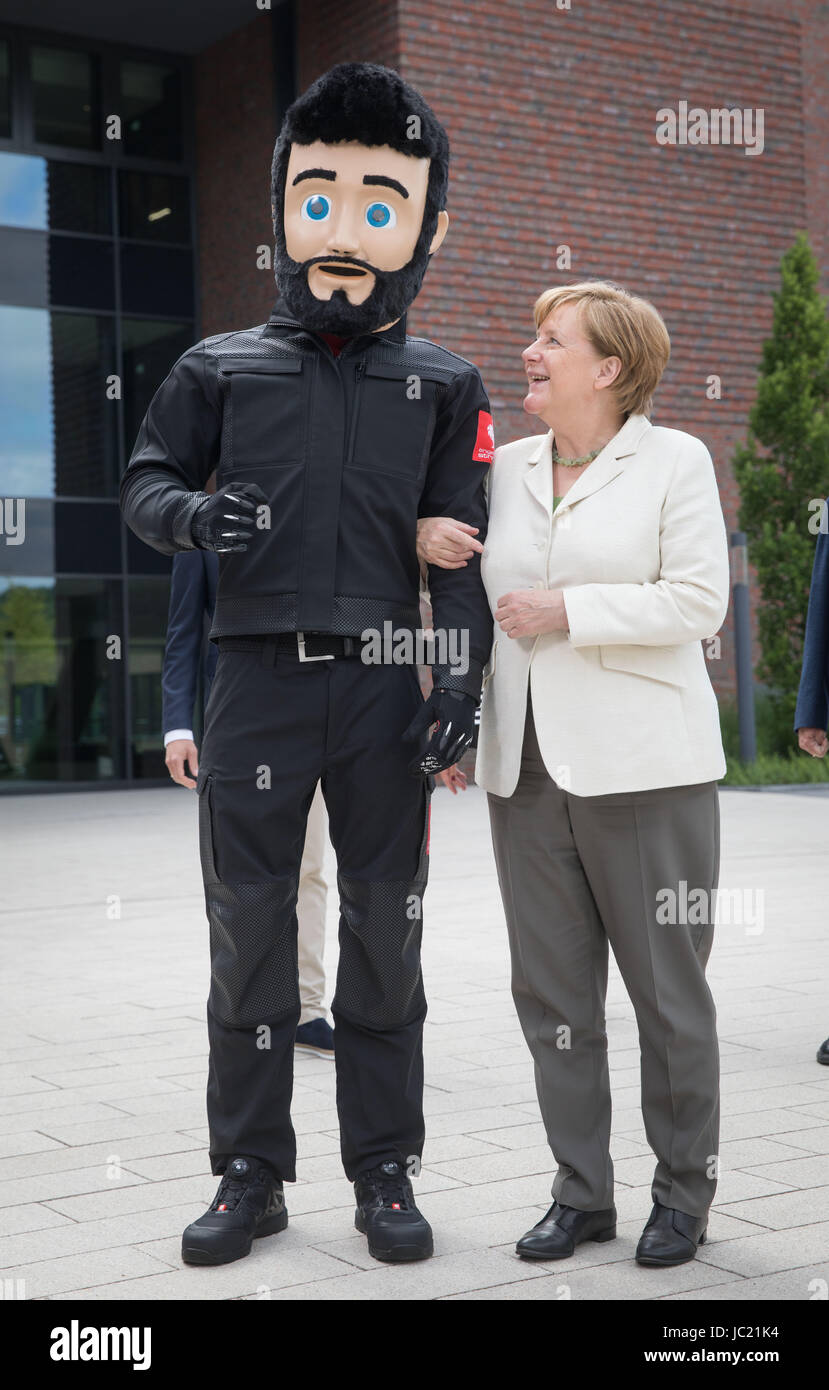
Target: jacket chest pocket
x,y
267,402
392,421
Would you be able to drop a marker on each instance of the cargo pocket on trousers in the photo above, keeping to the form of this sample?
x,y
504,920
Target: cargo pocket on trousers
x,y
204,791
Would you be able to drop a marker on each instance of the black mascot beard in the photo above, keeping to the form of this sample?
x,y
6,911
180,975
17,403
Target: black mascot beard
x,y
391,295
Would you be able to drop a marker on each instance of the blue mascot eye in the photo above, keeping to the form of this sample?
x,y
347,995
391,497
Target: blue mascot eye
x,y
380,215
316,208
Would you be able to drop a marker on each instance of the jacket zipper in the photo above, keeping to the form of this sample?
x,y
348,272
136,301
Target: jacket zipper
x,y
355,413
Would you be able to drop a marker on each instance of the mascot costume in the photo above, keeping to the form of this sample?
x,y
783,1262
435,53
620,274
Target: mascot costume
x,y
332,432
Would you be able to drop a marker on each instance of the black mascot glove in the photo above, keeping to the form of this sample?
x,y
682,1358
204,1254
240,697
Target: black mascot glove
x,y
227,520
455,728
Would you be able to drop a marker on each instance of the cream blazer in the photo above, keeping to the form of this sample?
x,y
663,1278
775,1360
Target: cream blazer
x,y
638,545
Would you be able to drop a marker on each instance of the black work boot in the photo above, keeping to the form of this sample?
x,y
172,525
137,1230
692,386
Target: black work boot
x,y
387,1214
249,1203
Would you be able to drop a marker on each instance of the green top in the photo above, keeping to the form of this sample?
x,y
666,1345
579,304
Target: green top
x,y
556,500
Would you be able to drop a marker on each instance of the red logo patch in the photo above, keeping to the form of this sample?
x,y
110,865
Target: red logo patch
x,y
484,451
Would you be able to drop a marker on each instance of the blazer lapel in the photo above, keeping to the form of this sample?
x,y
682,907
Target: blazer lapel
x,y
539,475
609,463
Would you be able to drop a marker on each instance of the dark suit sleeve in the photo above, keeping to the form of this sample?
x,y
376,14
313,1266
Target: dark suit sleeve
x,y
812,710
185,635
455,487
176,450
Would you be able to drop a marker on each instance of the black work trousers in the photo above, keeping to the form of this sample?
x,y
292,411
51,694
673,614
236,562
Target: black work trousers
x,y
274,727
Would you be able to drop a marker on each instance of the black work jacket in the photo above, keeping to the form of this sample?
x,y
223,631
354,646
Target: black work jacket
x,y
350,451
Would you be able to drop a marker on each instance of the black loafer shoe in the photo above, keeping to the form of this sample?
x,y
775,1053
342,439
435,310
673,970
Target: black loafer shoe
x,y
562,1229
387,1214
823,1053
670,1237
249,1203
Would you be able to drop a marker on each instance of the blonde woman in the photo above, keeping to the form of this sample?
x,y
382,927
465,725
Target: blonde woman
x,y
605,564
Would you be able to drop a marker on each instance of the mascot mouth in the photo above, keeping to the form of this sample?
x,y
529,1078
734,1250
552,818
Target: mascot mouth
x,y
341,270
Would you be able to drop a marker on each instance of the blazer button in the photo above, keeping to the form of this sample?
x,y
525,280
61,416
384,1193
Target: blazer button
x,y
539,584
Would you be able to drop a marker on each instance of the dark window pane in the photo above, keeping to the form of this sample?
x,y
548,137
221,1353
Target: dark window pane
x,y
154,207
148,603
5,91
151,110
22,190
27,438
65,96
61,698
40,194
85,420
156,280
24,267
78,198
149,351
81,273
59,430
87,538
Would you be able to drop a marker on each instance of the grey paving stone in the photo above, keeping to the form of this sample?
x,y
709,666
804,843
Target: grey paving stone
x,y
60,1157
77,1237
507,1164
428,1279
28,1216
25,1142
791,1285
754,1123
46,1187
108,1267
619,1279
144,1196
811,1140
789,1209
795,1172
474,1122
801,1247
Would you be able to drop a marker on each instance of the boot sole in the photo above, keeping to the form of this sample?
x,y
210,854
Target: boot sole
x,y
396,1254
599,1238
198,1255
654,1262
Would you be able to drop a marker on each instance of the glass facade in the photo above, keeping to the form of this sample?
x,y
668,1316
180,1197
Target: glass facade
x,y
97,301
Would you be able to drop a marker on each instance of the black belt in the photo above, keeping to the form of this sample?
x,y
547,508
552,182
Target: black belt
x,y
306,646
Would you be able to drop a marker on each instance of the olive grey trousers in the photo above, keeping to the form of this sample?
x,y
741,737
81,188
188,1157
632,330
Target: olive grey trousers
x,y
577,873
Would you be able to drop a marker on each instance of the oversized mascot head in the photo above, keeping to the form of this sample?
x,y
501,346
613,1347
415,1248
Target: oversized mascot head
x,y
358,186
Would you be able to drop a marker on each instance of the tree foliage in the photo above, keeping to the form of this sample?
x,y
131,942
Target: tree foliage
x,y
783,466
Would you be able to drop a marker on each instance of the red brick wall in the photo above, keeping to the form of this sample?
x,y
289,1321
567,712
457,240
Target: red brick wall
x,y
234,143
345,31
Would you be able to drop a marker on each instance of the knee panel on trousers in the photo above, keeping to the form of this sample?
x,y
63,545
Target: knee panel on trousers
x,y
379,980
253,951
253,946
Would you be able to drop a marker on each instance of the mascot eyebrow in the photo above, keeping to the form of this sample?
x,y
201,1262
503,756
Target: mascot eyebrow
x,y
376,179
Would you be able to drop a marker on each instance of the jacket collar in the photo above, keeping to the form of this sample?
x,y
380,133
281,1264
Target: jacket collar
x,y
605,466
282,314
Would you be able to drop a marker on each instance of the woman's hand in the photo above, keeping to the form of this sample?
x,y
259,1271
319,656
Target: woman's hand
x,y
528,612
445,542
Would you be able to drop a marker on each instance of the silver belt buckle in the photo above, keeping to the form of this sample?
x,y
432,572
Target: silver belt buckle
x,y
324,656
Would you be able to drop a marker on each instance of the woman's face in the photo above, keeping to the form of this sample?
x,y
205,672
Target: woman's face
x,y
561,365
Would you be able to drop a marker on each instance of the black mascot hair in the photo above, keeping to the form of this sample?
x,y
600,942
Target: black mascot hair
x,y
371,104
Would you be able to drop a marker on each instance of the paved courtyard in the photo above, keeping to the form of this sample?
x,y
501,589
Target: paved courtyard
x,y
102,1130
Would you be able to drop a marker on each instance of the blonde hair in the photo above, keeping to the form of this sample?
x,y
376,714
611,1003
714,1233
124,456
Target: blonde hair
x,y
618,324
